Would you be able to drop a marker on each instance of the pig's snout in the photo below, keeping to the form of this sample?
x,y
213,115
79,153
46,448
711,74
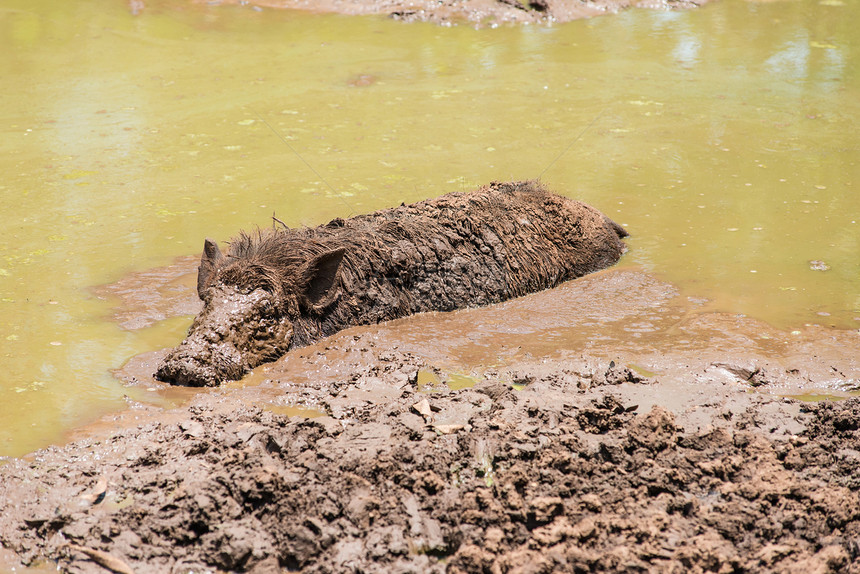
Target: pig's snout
x,y
235,332
201,367
186,371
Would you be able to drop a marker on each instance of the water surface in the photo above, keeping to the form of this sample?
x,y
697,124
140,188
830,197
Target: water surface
x,y
725,139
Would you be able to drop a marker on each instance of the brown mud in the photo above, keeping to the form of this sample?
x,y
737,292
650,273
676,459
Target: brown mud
x,y
602,426
476,12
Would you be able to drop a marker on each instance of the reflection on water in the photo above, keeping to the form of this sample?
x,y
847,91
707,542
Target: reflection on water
x,y
725,140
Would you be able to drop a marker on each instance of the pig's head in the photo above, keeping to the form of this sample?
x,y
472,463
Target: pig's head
x,y
251,299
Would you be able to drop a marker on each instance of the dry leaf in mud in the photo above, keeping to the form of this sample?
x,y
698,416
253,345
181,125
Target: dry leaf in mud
x,y
448,429
422,407
103,559
98,493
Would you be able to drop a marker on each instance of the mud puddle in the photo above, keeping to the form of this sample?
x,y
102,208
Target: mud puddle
x,y
622,315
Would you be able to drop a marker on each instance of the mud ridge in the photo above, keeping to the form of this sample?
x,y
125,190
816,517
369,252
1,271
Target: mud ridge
x,y
479,13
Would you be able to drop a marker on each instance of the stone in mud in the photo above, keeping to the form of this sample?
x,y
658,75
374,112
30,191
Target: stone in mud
x,y
281,289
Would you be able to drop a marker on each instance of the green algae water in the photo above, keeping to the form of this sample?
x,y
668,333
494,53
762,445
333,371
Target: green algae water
x,y
725,139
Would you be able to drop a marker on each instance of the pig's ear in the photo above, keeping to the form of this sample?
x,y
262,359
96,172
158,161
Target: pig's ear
x,y
211,257
319,280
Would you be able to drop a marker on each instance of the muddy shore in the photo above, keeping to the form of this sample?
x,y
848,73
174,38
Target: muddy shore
x,y
478,13
607,425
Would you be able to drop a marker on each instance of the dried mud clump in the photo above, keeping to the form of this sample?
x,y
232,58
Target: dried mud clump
x,y
548,479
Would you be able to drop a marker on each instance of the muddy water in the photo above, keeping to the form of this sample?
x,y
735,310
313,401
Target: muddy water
x,y
725,139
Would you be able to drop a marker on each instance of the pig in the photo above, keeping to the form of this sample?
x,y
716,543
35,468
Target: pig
x,y
280,289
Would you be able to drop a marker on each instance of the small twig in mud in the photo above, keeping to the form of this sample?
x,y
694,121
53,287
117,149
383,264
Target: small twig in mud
x,y
103,559
275,219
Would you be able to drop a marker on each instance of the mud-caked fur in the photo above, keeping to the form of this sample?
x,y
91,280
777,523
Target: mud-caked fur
x,y
459,250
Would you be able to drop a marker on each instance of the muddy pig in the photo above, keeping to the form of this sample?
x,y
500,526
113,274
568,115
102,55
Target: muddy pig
x,y
279,289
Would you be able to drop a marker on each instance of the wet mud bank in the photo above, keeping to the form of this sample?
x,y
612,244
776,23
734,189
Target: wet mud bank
x,y
601,426
570,474
476,12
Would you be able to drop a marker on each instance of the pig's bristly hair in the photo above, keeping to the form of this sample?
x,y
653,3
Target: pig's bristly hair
x,y
458,250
